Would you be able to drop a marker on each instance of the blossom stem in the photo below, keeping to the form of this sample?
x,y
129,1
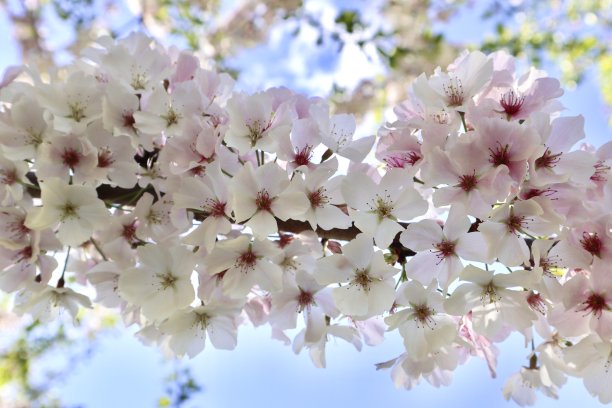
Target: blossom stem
x,y
462,115
97,246
61,282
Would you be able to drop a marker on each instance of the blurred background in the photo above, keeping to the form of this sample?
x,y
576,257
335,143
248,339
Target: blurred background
x,y
362,55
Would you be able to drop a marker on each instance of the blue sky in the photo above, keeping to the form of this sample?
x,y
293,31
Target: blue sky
x,y
262,372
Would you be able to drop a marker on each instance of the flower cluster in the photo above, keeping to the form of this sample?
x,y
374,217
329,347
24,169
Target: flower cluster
x,y
192,208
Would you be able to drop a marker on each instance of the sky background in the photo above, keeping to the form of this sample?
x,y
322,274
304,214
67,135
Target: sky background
x,y
262,372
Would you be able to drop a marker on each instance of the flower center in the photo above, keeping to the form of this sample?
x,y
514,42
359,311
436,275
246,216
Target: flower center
x,y
302,157
499,155
592,244
444,249
454,92
601,172
171,117
247,260
318,198
69,210
129,231
595,304
536,302
489,294
515,223
214,207
548,160
167,280
71,158
105,158
423,315
201,320
382,206
304,299
263,201
403,159
511,102
128,120
8,177
362,279
468,182
77,111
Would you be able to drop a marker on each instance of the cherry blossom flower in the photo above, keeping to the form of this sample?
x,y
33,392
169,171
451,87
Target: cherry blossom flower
x,y
521,387
507,143
588,304
591,358
49,303
137,63
423,324
503,228
12,174
74,104
470,179
209,196
259,121
67,156
298,149
376,209
241,264
77,210
337,134
188,328
368,288
304,296
553,162
260,195
317,349
469,74
492,302
161,283
439,250
23,128
323,193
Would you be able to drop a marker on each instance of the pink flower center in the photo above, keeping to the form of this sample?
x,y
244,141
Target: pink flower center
x,y
454,92
302,157
198,170
8,177
285,239
536,192
214,207
263,201
595,304
304,299
128,120
536,302
499,155
18,228
468,182
247,260
318,198
601,172
129,231
592,244
71,158
511,102
105,158
444,249
25,254
515,223
548,160
401,160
